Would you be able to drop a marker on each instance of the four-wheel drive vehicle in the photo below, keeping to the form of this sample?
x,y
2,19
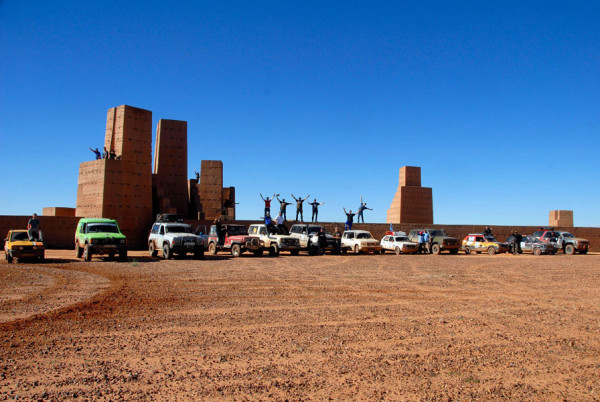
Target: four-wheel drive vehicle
x,y
563,240
439,240
273,242
174,237
536,246
398,243
308,235
359,241
478,242
99,236
17,245
235,239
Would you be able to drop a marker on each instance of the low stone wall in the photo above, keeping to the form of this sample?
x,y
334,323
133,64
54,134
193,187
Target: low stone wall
x,y
59,231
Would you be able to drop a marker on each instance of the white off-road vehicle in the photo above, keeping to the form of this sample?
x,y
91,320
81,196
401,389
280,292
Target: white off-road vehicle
x,y
360,241
174,238
398,242
275,243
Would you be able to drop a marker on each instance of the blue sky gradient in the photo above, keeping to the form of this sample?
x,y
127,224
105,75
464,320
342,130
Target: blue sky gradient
x,y
498,102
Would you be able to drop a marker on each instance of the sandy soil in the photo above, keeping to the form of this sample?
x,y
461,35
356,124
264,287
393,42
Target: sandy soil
x,y
341,327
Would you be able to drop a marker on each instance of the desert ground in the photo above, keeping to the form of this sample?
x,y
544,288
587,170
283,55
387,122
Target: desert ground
x,y
409,327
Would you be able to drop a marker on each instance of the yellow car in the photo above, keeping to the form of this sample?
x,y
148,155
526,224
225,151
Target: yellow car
x,y
17,245
479,242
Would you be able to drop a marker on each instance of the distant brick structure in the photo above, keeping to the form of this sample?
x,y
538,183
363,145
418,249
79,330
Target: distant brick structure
x,y
412,203
170,168
58,211
208,199
121,189
561,219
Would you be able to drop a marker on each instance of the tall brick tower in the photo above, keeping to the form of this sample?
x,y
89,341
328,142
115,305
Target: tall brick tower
x,y
121,189
412,203
170,167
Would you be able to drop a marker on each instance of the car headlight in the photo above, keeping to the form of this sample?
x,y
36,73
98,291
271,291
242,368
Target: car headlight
x,y
123,241
176,241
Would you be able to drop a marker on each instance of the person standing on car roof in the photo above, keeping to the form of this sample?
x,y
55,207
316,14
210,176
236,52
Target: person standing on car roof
x,y
315,210
283,207
299,202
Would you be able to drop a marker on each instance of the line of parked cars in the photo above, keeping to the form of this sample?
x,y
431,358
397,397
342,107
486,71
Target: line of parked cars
x,y
170,236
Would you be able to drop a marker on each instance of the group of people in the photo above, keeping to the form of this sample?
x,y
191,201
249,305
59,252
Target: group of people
x,y
283,204
105,154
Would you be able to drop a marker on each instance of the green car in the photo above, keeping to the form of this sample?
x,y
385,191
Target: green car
x,y
99,236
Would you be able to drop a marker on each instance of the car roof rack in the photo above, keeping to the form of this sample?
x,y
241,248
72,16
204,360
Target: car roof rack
x,y
168,218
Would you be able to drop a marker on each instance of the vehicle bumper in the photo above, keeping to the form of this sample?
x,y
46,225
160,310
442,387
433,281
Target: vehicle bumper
x,y
108,248
370,249
27,253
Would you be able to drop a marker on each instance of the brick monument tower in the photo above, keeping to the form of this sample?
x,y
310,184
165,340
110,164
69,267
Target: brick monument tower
x,y
121,188
412,203
170,168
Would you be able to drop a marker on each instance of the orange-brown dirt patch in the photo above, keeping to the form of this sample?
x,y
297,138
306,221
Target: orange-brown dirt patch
x,y
341,327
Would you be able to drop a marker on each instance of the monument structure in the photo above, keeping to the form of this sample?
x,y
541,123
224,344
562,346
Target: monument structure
x,y
412,203
128,190
561,219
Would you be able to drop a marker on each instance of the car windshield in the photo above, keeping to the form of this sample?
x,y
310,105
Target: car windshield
x,y
490,238
237,230
436,232
179,229
101,228
16,236
401,238
567,235
364,236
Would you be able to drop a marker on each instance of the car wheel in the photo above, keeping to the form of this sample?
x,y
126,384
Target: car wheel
x,y
123,255
398,251
454,251
199,252
258,253
236,250
537,251
9,257
569,249
152,249
344,250
274,250
295,252
435,249
166,251
87,252
583,252
467,250
111,255
78,250
492,250
212,249
356,249
382,251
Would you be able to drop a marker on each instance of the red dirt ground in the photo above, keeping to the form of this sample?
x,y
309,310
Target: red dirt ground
x,y
341,327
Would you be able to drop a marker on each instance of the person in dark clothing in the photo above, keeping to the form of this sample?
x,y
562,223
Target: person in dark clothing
x,y
112,154
487,231
349,219
299,202
322,241
34,229
337,235
98,154
197,176
361,209
315,210
283,207
267,203
220,231
517,238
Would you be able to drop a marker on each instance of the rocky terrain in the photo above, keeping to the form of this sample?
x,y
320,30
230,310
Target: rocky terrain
x,y
312,328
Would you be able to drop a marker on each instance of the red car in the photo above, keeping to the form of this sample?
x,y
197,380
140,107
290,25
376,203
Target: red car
x,y
235,239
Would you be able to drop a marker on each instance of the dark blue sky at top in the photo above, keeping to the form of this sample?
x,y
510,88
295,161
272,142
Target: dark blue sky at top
x,y
498,102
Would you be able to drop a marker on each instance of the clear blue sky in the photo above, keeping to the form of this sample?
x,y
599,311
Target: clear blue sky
x,y
498,102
